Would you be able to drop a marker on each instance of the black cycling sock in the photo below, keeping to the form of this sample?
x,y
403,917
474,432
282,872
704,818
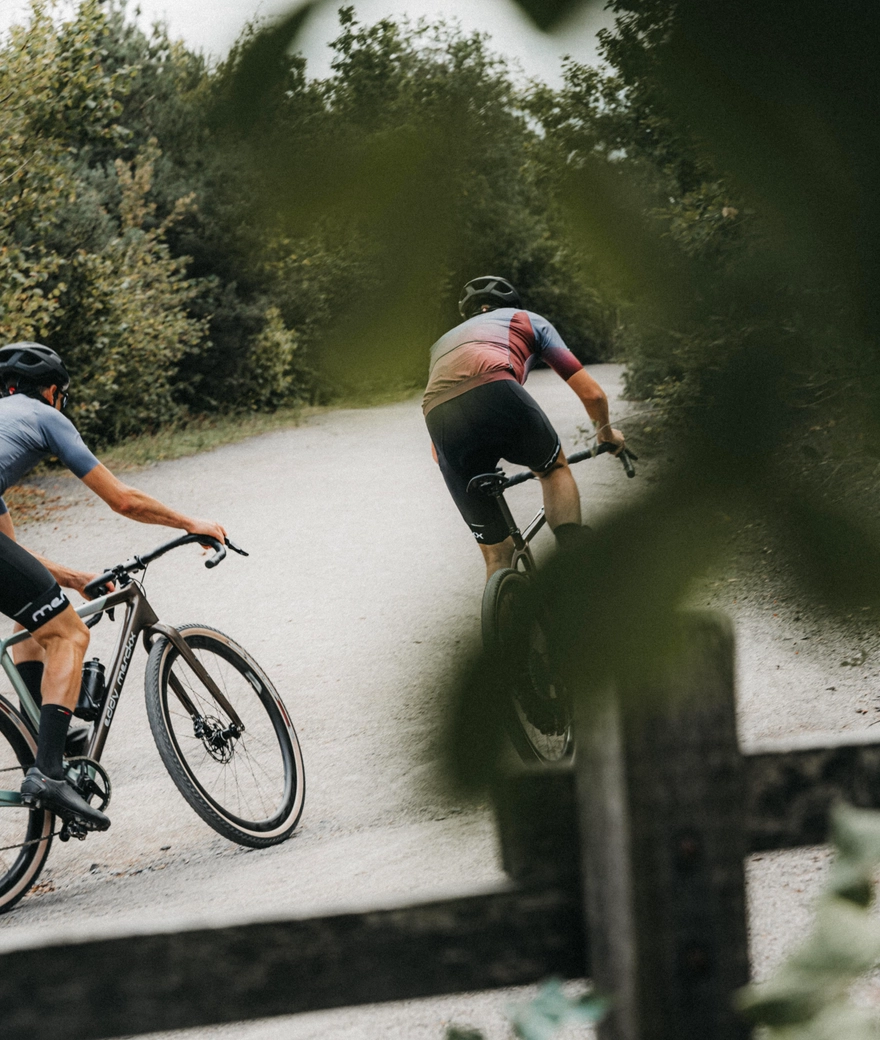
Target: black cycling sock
x,y
31,673
569,536
54,720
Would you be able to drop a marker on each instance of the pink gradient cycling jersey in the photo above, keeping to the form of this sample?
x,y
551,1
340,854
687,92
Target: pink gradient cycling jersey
x,y
500,344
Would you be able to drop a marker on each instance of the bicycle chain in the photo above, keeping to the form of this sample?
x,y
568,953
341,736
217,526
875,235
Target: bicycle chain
x,y
32,841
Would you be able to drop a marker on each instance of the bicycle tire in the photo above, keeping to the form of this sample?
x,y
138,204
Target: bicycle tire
x,y
537,714
28,831
202,757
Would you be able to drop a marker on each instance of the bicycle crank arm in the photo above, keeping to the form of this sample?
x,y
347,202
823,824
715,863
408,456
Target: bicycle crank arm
x,y
196,665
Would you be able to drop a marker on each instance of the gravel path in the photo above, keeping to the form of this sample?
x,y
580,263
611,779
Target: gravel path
x,y
362,588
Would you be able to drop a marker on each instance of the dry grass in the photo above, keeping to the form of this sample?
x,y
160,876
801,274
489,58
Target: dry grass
x,y
29,504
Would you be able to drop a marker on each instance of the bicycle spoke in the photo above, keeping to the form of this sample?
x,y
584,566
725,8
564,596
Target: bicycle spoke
x,y
239,768
261,771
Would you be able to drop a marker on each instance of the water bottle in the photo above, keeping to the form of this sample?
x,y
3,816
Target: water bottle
x,y
92,692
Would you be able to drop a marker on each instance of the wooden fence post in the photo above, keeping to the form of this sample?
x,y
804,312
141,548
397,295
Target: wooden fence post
x,y
661,804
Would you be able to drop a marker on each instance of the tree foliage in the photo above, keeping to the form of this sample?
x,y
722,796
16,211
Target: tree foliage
x,y
743,173
434,120
144,239
85,264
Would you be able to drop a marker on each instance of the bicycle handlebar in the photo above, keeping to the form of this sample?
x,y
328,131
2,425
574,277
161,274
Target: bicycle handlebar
x,y
97,586
626,458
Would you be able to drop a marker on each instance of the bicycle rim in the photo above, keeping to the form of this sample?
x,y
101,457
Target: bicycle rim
x,y
25,834
249,786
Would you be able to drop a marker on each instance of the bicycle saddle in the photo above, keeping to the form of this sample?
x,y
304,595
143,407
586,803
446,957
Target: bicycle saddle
x,y
491,484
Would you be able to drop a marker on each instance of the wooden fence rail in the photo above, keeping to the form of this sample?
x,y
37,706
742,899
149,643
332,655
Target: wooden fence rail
x,y
165,981
627,868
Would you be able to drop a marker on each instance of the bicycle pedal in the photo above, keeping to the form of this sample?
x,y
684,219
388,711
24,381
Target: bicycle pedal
x,y
73,829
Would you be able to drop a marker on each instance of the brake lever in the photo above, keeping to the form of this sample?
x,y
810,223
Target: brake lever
x,y
236,548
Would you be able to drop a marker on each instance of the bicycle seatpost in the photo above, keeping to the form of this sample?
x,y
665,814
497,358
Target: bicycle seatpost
x,y
512,526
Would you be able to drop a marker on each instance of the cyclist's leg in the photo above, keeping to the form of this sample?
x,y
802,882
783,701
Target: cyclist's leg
x,y
497,556
534,443
30,659
464,445
64,641
30,596
481,514
562,500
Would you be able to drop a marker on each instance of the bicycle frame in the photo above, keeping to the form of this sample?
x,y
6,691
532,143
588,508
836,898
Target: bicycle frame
x,y
522,554
139,619
496,483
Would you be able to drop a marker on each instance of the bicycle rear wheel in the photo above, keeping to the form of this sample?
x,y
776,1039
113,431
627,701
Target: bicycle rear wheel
x,y
25,834
247,783
538,713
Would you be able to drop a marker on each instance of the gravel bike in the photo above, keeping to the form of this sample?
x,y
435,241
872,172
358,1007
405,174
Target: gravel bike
x,y
537,708
221,729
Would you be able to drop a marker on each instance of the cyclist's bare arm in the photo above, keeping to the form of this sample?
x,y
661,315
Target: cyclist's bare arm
x,y
596,403
138,505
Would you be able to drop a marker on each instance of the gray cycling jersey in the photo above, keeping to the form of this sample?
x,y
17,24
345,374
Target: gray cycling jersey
x,y
31,430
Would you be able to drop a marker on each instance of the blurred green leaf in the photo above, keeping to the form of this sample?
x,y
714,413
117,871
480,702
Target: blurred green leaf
x,y
608,215
808,997
552,1010
262,63
855,833
547,14
838,554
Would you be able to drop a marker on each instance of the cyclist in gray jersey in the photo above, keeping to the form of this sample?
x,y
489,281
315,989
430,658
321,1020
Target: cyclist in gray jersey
x,y
33,392
29,431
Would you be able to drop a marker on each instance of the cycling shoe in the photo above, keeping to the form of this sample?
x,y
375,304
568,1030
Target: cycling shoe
x,y
77,741
41,791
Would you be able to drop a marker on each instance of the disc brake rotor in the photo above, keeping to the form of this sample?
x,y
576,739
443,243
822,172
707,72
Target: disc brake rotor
x,y
219,740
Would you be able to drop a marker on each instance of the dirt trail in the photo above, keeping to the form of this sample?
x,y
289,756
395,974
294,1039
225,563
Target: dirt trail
x,y
362,589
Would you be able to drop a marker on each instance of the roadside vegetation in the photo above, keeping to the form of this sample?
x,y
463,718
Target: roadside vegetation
x,y
201,240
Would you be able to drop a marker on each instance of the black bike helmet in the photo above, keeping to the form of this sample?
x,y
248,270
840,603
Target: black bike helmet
x,y
32,366
490,290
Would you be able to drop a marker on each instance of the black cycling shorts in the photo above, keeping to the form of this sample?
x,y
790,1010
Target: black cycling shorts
x,y
474,431
28,592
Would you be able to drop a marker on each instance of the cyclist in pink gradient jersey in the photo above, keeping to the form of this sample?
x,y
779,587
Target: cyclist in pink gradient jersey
x,y
477,411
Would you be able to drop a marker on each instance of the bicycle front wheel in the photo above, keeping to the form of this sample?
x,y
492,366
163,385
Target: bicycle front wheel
x,y
25,834
245,779
537,706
